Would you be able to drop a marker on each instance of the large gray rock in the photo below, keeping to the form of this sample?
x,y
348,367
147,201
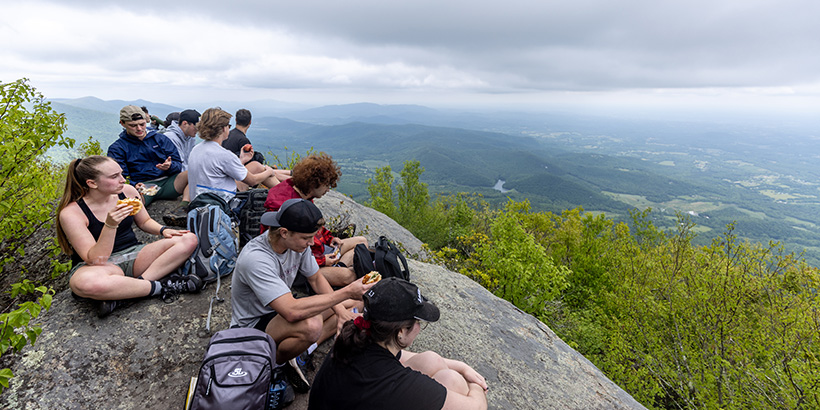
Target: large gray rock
x,y
369,223
142,356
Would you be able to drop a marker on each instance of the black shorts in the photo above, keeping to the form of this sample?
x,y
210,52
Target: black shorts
x,y
264,320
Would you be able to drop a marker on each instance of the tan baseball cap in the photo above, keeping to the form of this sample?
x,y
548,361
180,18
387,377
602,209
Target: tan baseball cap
x,y
131,113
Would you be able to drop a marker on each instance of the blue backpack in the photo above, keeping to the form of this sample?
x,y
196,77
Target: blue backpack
x,y
216,251
215,255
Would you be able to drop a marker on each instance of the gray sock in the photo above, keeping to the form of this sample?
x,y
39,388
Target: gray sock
x,y
156,288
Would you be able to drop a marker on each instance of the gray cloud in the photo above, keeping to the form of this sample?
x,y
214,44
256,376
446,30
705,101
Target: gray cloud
x,y
490,46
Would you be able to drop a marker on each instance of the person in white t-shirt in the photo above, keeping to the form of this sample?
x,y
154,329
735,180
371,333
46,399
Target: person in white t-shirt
x,y
212,168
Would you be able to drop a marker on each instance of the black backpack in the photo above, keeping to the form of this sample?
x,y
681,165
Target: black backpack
x,y
249,206
385,258
363,260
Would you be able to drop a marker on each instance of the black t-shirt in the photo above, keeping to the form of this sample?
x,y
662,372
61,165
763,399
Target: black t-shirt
x,y
375,379
236,140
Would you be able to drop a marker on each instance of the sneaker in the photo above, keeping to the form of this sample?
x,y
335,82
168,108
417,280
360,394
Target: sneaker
x,y
105,307
178,218
297,376
281,392
176,285
305,361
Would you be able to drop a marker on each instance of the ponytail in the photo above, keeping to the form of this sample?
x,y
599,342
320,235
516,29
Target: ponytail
x,y
355,337
79,171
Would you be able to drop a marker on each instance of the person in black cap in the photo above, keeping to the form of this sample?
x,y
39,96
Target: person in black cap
x,y
261,287
368,368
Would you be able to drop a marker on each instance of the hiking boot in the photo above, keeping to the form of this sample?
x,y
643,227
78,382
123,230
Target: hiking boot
x,y
281,392
176,285
297,376
105,307
177,218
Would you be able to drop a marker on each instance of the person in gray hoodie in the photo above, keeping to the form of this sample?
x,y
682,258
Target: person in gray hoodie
x,y
183,134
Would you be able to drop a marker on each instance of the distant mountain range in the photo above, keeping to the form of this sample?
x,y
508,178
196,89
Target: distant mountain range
x,y
763,176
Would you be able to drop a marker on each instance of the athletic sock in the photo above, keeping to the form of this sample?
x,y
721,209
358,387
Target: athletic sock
x,y
156,288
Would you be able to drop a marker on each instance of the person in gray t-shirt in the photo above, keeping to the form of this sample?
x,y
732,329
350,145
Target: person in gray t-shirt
x,y
260,288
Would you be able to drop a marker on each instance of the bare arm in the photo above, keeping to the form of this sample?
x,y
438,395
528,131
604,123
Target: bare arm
x,y
475,399
321,286
253,179
294,310
469,374
75,226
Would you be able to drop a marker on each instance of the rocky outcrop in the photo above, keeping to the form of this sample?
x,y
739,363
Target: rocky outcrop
x,y
142,356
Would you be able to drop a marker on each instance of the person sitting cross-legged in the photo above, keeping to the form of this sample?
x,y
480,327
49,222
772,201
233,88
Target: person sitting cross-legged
x,y
94,227
148,157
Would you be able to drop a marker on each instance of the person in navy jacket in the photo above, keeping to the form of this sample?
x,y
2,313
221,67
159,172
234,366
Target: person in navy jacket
x,y
148,157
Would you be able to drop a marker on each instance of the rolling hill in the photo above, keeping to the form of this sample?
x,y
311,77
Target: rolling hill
x,y
716,173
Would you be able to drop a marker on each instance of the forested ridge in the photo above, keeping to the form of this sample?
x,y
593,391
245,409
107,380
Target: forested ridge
x,y
730,324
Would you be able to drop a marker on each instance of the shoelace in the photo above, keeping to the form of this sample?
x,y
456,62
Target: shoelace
x,y
172,289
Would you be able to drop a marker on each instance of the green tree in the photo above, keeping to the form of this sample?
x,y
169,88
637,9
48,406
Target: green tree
x,y
381,191
413,195
516,267
732,325
28,127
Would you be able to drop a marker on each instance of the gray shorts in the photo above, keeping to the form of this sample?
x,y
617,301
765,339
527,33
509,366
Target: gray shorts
x,y
126,266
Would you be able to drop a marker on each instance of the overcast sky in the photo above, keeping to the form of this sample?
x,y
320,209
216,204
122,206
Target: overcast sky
x,y
748,54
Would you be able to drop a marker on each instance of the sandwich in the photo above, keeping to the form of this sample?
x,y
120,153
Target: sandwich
x,y
135,203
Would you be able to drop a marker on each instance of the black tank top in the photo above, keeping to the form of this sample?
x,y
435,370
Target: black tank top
x,y
125,235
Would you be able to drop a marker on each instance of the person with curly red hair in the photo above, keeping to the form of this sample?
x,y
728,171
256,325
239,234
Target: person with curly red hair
x,y
312,177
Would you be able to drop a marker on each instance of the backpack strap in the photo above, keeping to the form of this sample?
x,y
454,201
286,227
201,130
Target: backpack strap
x,y
385,247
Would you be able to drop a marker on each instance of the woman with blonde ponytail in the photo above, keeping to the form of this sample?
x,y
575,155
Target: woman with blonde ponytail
x,y
368,367
109,263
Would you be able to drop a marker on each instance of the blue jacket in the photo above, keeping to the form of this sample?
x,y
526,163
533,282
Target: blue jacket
x,y
139,159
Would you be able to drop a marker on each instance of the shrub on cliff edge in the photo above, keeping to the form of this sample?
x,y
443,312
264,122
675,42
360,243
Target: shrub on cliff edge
x,y
28,127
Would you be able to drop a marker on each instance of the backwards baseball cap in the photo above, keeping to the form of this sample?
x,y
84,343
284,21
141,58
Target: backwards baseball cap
x,y
297,215
192,116
132,113
395,300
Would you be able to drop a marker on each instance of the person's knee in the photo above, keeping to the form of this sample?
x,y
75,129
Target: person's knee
x,y
88,284
189,241
313,328
254,167
431,361
356,240
452,380
337,275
